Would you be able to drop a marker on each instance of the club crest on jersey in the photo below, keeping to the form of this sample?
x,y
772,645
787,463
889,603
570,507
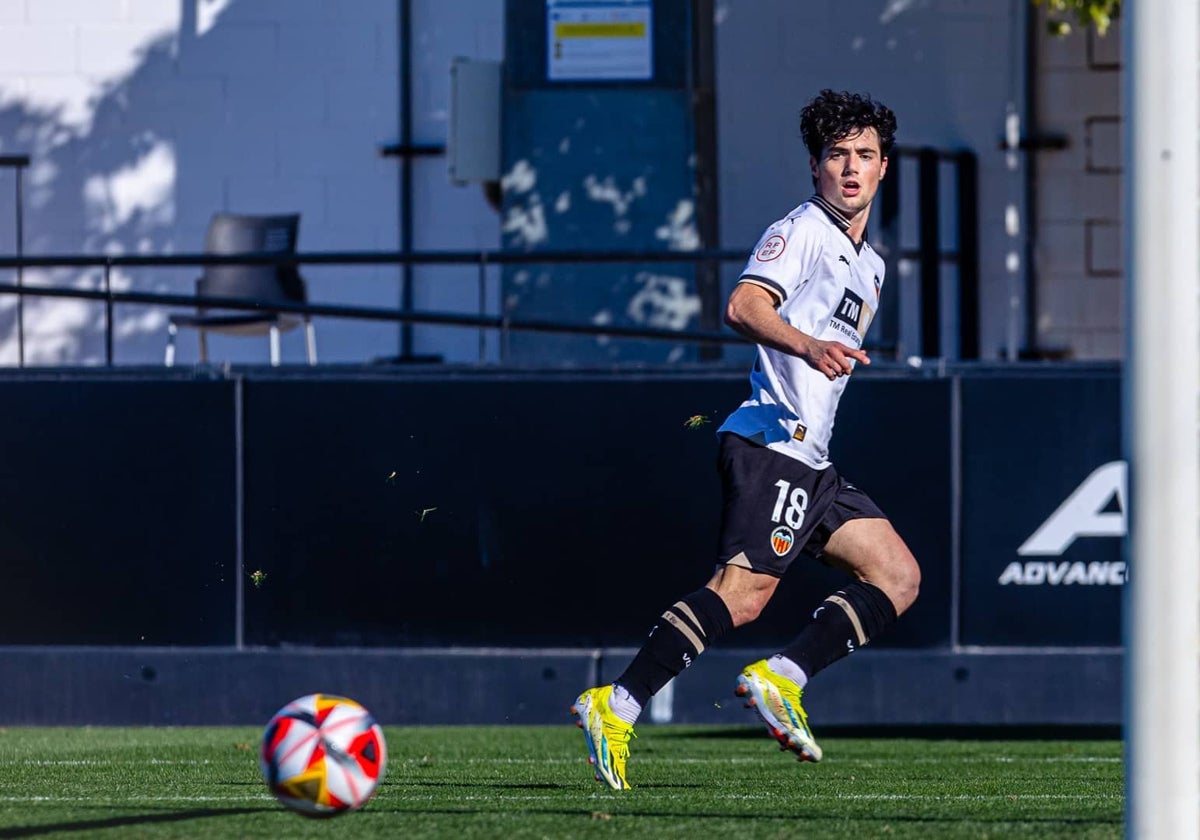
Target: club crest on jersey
x,y
782,540
770,249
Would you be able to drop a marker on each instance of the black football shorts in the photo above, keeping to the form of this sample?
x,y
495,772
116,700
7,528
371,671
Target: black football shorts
x,y
775,507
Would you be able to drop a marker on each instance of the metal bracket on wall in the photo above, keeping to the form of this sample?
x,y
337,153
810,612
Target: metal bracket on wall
x,y
411,150
1038,143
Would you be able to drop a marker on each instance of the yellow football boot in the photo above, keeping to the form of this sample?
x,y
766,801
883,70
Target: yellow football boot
x,y
776,700
606,734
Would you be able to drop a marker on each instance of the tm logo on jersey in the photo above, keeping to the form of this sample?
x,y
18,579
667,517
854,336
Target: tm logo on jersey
x,y
852,313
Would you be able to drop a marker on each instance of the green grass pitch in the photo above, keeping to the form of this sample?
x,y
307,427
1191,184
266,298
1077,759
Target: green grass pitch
x,y
534,782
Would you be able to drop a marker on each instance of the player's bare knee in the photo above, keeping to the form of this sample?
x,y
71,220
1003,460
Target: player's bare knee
x,y
901,580
747,607
895,572
745,593
744,603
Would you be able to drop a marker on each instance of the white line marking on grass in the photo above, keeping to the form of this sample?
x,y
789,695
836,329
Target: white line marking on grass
x,y
1064,759
1091,759
88,762
971,797
582,759
810,798
408,796
991,759
135,800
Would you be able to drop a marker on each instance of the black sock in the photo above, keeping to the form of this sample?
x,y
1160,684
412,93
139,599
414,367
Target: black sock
x,y
844,622
682,634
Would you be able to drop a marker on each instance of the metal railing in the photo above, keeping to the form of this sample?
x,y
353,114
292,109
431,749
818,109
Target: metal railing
x,y
929,254
481,259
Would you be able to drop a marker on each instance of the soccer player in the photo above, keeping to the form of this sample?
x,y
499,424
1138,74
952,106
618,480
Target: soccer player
x,y
806,298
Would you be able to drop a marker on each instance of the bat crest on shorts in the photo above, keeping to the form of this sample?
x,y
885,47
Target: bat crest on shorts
x,y
782,540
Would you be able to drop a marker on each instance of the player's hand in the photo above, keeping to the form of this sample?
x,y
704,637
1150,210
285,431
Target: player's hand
x,y
833,359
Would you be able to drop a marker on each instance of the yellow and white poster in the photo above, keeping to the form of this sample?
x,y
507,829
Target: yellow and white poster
x,y
598,41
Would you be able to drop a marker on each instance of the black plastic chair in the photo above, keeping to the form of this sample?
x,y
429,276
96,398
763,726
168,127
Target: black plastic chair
x,y
233,234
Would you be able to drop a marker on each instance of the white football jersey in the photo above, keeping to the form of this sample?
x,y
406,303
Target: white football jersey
x,y
827,287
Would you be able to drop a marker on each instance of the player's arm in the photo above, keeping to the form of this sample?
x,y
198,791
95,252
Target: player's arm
x,y
751,313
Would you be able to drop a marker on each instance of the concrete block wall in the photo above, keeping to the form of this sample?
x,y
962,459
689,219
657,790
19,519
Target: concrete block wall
x,y
451,217
145,117
923,60
1077,249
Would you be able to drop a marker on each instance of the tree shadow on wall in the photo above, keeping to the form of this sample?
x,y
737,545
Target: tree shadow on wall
x,y
139,170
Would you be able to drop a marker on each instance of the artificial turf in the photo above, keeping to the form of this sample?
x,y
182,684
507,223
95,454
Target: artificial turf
x,y
533,782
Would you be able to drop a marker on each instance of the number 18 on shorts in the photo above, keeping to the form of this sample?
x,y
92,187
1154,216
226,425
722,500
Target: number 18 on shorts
x,y
772,507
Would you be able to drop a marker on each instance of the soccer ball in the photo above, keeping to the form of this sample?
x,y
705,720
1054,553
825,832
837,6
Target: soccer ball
x,y
323,755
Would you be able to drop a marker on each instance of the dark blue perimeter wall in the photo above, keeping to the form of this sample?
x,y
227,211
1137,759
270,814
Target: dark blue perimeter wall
x,y
200,548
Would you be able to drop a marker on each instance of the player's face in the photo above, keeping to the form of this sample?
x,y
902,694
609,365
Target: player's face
x,y
849,171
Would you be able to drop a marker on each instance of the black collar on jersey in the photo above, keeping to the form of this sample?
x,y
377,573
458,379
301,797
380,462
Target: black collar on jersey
x,y
835,216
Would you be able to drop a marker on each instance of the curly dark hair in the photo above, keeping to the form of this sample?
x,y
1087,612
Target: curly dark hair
x,y
834,116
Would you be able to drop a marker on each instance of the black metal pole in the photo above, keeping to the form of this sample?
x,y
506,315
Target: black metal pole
x,y
20,272
406,225
968,256
1030,222
889,235
931,258
704,115
108,315
482,304
18,163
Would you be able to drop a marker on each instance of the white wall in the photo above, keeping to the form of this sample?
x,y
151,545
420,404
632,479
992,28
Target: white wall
x,y
1081,276
948,68
144,117
450,217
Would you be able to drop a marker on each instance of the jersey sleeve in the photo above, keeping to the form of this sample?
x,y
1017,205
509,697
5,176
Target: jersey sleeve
x,y
783,259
